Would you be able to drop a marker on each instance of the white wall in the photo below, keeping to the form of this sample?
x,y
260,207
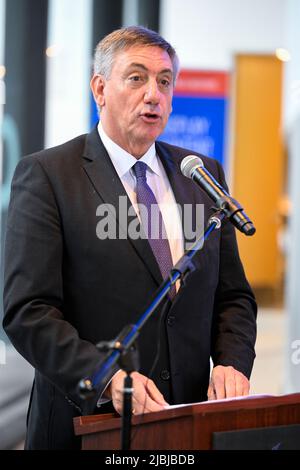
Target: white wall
x,y
68,72
130,12
206,33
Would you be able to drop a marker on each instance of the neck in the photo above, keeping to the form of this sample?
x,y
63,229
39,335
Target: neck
x,y
138,150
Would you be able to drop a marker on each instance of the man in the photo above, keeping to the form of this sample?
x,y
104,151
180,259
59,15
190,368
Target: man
x,y
66,287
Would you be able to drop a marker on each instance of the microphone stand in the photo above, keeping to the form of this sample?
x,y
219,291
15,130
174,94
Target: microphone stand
x,y
122,350
128,361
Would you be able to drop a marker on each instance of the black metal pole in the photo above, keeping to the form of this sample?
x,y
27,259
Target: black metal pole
x,y
127,412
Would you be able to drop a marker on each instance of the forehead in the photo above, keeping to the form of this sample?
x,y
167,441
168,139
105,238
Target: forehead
x,y
152,57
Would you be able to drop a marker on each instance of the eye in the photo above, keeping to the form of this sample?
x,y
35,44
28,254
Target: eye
x,y
165,83
135,78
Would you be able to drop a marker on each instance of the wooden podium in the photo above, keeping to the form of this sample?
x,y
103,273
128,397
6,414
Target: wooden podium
x,y
192,427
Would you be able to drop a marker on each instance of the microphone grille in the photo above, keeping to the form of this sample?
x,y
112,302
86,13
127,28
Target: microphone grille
x,y
189,164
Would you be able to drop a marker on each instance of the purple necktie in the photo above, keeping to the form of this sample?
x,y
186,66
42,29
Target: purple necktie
x,y
153,227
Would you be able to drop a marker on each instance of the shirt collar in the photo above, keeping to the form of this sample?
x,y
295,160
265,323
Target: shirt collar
x,y
124,161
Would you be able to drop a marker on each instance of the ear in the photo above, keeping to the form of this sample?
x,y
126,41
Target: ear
x,y
97,87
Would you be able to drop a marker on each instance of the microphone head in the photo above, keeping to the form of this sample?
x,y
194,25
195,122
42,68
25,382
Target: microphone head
x,y
189,164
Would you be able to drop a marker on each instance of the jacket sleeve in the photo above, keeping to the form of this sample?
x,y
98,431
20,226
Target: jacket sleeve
x,y
33,287
234,318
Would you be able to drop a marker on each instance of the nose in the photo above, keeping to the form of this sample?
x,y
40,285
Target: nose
x,y
152,94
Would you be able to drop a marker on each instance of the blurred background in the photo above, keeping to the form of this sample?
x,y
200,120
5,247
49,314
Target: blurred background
x,y
237,100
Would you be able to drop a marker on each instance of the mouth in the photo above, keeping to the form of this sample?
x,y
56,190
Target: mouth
x,y
151,118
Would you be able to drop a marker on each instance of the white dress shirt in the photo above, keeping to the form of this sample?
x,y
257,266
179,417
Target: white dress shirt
x,y
158,182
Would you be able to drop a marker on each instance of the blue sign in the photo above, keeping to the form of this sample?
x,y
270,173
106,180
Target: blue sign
x,y
198,124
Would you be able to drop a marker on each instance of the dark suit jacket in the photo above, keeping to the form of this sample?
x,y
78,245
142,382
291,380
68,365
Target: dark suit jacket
x,y
65,289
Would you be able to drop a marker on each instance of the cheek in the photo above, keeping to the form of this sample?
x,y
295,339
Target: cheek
x,y
168,105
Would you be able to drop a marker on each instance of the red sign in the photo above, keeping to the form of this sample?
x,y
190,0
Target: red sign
x,y
202,84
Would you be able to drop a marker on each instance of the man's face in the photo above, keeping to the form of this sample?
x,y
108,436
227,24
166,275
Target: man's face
x,y
136,100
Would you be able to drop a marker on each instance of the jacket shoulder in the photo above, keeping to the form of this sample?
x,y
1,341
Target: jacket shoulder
x,y
178,154
68,151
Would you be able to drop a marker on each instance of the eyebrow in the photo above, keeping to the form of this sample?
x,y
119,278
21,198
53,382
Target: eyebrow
x,y
143,67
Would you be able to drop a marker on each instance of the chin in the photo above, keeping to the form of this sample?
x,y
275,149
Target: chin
x,y
148,135
153,133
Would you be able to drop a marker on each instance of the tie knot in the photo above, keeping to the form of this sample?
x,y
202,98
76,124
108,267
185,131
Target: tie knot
x,y
140,169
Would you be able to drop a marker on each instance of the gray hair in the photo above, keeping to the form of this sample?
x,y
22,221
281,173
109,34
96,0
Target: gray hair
x,y
123,39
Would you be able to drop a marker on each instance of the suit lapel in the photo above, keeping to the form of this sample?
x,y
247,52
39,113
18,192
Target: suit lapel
x,y
106,182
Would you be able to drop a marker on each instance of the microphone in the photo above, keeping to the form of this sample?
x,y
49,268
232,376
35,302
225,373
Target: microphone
x,y
193,167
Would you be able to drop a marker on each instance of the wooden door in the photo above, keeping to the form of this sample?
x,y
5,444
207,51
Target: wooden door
x,y
258,163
